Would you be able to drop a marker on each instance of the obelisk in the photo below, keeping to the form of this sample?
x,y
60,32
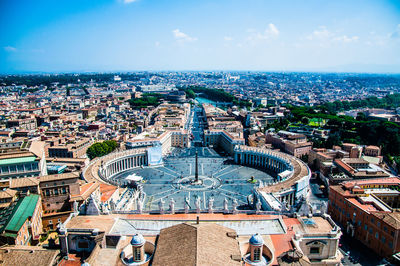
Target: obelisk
x,y
196,173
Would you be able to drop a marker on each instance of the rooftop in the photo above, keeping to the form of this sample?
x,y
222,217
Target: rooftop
x,y
27,255
48,178
196,244
24,182
22,211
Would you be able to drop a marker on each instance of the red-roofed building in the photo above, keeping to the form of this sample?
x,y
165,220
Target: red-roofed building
x,y
368,210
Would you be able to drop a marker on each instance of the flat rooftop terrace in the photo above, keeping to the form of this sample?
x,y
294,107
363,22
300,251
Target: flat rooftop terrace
x,y
153,227
150,225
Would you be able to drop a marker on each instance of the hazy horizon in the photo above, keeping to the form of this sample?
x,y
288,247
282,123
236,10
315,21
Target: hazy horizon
x,y
361,36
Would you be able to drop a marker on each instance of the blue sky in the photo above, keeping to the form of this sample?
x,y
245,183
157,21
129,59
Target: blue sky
x,y
266,35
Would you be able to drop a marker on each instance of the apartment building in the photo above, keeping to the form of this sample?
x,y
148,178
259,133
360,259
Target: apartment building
x,y
68,148
289,142
368,210
23,225
19,163
358,168
56,191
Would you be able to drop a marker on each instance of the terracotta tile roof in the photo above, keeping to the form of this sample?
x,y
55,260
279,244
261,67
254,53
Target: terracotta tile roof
x,y
55,177
27,255
196,244
17,154
366,207
379,181
107,191
86,190
283,242
392,219
9,193
345,166
24,182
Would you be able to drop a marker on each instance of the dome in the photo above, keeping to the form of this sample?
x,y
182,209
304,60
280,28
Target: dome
x,y
137,240
256,240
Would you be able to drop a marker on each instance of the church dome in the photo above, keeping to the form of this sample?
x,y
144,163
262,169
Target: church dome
x,y
137,240
257,240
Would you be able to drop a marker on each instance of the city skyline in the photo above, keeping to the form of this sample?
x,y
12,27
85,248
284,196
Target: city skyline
x,y
98,36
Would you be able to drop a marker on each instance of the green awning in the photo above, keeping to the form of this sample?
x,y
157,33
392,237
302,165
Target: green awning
x,y
17,160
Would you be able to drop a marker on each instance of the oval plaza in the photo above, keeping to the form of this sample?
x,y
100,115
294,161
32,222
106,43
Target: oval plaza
x,y
198,179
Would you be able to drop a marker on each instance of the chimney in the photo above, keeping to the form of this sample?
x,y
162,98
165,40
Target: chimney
x,y
198,220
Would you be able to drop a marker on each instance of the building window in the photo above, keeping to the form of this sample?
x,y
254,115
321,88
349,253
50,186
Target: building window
x,y
137,254
377,235
257,255
314,250
383,239
391,244
50,222
378,224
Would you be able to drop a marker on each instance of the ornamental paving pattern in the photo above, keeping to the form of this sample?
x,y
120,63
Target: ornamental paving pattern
x,y
219,178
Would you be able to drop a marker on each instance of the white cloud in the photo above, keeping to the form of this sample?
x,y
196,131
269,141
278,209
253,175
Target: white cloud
x,y
129,1
396,33
10,49
182,37
228,38
324,36
321,33
346,39
271,32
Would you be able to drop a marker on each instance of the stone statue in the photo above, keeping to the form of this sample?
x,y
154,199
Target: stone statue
x,y
226,205
258,205
76,207
198,209
186,205
140,205
284,206
234,206
210,205
324,207
161,206
172,206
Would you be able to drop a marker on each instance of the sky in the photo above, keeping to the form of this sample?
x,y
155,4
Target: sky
x,y
254,35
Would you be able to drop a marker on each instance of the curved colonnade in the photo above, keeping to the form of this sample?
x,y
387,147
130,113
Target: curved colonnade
x,y
292,175
104,168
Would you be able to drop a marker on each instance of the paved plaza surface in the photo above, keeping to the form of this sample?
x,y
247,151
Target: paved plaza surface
x,y
153,227
219,178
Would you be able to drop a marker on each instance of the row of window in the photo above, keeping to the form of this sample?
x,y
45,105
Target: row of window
x,y
55,191
372,220
19,168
